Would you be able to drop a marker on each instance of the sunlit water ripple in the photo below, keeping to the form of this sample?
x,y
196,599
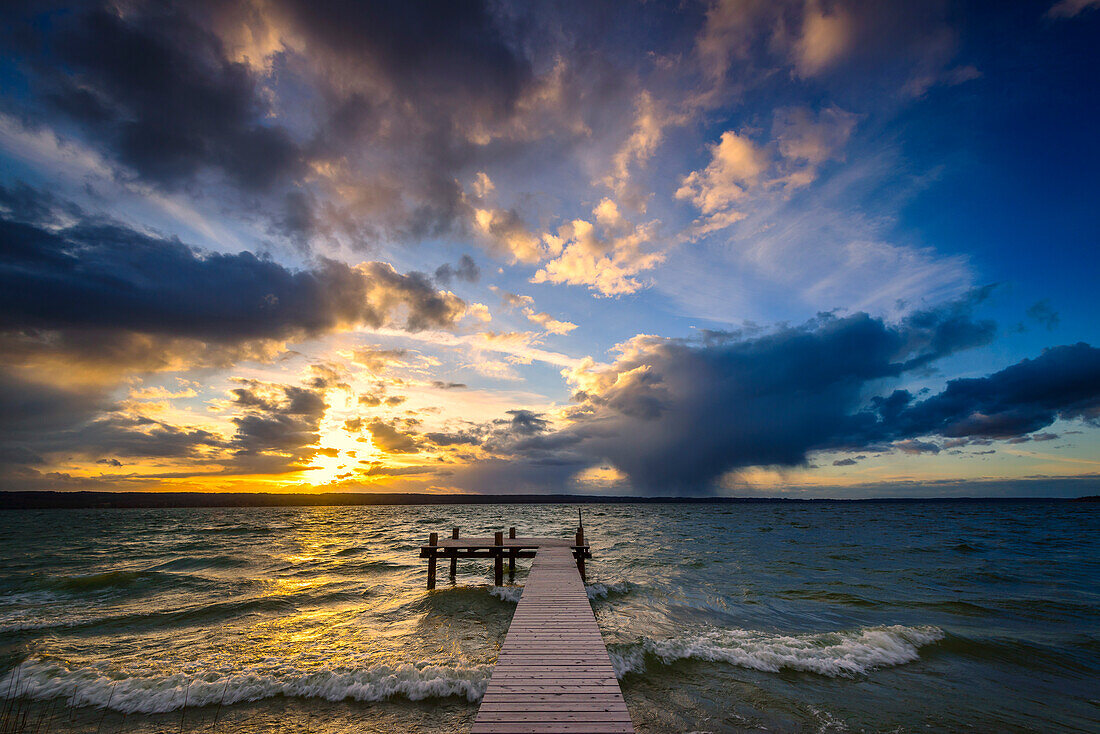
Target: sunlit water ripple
x,y
824,617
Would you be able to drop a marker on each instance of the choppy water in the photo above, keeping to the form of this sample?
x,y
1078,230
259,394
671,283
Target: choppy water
x,y
816,618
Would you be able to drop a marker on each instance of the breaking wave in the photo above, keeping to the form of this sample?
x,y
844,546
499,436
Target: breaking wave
x,y
47,679
507,593
602,591
594,591
834,654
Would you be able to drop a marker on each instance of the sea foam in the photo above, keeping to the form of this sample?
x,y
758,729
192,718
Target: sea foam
x,y
602,591
594,591
49,679
834,654
507,593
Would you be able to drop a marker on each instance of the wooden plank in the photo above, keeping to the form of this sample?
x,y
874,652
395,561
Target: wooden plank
x,y
553,673
554,727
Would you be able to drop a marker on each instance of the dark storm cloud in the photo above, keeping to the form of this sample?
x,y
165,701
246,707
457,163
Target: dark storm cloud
x,y
674,415
347,121
1063,382
430,51
402,89
171,92
95,276
158,92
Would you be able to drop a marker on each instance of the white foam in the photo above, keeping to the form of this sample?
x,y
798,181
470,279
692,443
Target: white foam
x,y
48,679
507,593
835,654
600,591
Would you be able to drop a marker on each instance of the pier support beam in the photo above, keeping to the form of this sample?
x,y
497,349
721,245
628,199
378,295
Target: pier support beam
x,y
433,540
511,557
580,555
454,558
498,559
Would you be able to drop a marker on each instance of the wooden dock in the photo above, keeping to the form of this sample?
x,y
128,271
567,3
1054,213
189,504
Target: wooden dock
x,y
553,674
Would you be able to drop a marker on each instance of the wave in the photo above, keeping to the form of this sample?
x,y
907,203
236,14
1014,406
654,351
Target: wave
x,y
594,591
602,591
98,581
833,654
507,593
198,563
47,680
181,617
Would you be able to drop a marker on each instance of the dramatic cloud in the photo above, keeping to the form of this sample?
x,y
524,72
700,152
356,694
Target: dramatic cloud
x,y
103,279
1063,382
679,414
155,88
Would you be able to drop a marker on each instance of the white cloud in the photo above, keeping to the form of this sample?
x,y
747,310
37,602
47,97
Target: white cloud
x,y
548,322
824,39
741,171
606,256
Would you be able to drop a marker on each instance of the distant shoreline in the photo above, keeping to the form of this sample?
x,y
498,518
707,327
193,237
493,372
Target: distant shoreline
x,y
46,500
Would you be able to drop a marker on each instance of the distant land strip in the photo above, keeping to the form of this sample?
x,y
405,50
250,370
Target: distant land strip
x,y
44,500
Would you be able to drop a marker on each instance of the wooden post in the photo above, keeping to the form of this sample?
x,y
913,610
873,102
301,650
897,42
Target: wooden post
x,y
433,539
454,558
498,560
580,552
512,556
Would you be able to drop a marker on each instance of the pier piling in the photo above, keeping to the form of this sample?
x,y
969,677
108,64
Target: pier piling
x,y
433,540
511,556
454,558
498,559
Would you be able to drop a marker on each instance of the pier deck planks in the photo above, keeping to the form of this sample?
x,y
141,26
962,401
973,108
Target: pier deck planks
x,y
553,675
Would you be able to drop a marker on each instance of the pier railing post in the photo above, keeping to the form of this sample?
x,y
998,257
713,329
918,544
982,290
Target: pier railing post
x,y
580,552
454,558
498,559
433,539
512,556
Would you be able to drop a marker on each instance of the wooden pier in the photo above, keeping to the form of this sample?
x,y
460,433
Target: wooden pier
x,y
553,674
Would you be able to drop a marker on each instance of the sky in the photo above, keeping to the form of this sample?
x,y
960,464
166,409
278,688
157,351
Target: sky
x,y
751,248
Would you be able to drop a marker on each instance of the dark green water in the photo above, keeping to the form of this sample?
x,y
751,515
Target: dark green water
x,y
815,618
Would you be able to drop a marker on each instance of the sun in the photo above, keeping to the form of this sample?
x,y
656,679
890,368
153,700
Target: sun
x,y
340,451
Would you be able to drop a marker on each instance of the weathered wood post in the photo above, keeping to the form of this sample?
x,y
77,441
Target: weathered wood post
x,y
580,551
433,539
454,558
512,556
498,558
